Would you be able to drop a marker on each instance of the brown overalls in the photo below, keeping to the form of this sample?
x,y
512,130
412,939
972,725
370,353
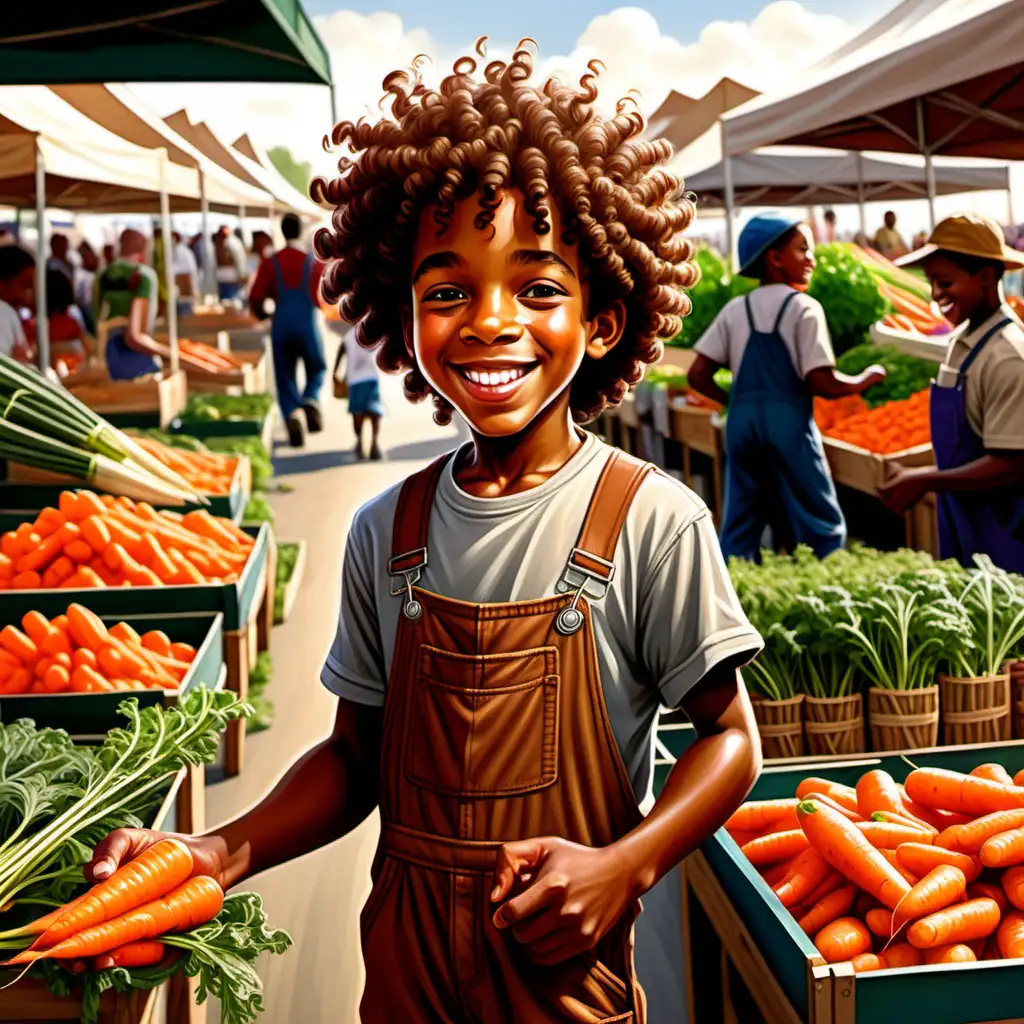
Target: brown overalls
x,y
495,729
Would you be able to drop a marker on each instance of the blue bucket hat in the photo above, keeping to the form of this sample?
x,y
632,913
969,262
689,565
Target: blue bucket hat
x,y
759,233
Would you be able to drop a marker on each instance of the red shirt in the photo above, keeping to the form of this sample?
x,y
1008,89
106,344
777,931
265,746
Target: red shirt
x,y
292,262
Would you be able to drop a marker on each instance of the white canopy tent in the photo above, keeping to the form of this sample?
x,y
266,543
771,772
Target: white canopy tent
x,y
931,77
281,186
792,176
51,154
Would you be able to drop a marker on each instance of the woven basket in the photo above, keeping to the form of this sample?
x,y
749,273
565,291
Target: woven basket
x,y
1015,669
781,727
903,719
834,725
975,710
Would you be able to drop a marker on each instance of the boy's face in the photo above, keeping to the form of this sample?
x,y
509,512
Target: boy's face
x,y
956,291
795,259
19,290
500,315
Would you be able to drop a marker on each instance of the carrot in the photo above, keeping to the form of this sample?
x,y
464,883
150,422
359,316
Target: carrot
x,y
974,919
123,632
825,911
994,892
205,525
57,679
911,876
78,551
27,581
49,521
1013,886
185,653
83,656
902,819
86,628
1010,936
141,953
36,627
970,838
776,874
827,801
1003,850
195,902
41,556
902,954
187,572
18,682
877,791
805,874
1018,779
84,577
956,953
777,846
862,963
994,773
843,939
96,534
89,504
833,880
921,858
937,819
159,561
87,680
157,641
967,794
886,835
940,888
879,922
741,838
15,642
154,873
841,844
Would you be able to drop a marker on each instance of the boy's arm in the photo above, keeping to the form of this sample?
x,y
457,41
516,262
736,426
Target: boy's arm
x,y
325,794
994,469
701,377
576,893
828,382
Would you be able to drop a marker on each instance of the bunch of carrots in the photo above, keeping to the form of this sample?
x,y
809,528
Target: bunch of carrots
x,y
890,428
207,472
206,357
95,540
887,875
910,313
121,920
76,653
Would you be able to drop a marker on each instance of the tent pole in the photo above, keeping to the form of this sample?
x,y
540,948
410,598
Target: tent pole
x,y
42,244
860,194
730,198
165,233
209,272
17,224
929,169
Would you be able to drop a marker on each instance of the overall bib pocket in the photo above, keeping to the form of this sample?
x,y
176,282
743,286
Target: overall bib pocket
x,y
484,726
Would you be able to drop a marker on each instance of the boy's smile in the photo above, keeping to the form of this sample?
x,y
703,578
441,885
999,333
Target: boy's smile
x,y
499,314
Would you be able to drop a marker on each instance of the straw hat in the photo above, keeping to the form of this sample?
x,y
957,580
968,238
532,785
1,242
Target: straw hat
x,y
969,234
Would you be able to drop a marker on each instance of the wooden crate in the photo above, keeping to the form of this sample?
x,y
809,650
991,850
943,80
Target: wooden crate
x,y
865,471
691,426
160,397
291,588
250,379
680,358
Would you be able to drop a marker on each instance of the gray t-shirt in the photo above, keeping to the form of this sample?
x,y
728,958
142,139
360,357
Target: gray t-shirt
x,y
669,615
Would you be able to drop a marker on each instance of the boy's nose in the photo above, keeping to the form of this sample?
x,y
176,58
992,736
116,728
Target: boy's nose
x,y
491,330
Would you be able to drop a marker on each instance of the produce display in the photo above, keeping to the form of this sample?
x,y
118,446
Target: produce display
x,y
57,800
46,427
208,472
894,620
905,375
908,295
76,653
712,291
883,430
850,293
200,356
260,674
95,540
227,407
258,510
251,447
287,557
885,875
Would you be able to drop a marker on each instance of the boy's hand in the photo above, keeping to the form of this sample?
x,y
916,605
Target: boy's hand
x,y
904,489
874,375
573,896
209,853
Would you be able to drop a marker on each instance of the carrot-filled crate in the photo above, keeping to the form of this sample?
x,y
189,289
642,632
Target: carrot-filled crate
x,y
903,872
120,557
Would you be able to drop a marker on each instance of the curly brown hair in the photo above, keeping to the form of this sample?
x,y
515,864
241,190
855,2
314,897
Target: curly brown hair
x,y
475,136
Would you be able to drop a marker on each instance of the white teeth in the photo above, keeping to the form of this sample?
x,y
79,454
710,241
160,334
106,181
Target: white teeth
x,y
496,378
505,376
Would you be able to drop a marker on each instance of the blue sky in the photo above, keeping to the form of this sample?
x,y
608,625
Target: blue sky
x,y
557,24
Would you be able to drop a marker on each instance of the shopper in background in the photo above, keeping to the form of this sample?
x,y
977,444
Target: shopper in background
x,y
775,341
291,278
229,253
85,283
128,288
71,345
888,241
186,275
830,225
362,377
59,259
17,290
977,400
261,249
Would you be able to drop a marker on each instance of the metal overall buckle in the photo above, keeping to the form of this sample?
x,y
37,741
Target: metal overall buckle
x,y
570,618
398,566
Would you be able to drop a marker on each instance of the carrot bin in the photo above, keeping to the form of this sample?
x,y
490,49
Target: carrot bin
x,y
975,710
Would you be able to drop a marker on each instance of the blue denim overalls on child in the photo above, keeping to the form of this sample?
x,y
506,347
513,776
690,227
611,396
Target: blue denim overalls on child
x,y
294,337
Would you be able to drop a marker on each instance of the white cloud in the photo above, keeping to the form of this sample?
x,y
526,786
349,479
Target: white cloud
x,y
629,42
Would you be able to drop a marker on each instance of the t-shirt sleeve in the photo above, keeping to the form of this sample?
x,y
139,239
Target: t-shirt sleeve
x,y
714,342
810,334
263,284
1002,404
355,666
11,332
690,616
144,285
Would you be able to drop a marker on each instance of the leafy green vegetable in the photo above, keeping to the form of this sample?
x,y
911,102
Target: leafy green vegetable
x,y
849,294
258,510
211,406
907,375
259,457
263,707
222,954
707,297
287,557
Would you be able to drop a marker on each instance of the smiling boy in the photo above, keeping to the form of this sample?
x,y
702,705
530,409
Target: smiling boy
x,y
514,615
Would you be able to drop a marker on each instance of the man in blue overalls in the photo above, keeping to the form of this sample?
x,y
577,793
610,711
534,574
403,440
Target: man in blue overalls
x,y
775,341
977,400
291,277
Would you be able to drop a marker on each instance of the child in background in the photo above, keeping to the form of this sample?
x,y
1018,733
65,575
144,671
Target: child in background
x,y
775,341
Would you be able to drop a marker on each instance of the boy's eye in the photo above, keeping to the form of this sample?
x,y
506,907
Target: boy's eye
x,y
446,293
542,290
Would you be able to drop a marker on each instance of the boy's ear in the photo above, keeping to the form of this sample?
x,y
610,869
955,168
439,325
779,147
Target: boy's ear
x,y
605,330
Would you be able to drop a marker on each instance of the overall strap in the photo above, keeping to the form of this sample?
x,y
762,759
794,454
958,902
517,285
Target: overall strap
x,y
306,267
277,274
750,313
619,481
976,351
412,520
782,311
